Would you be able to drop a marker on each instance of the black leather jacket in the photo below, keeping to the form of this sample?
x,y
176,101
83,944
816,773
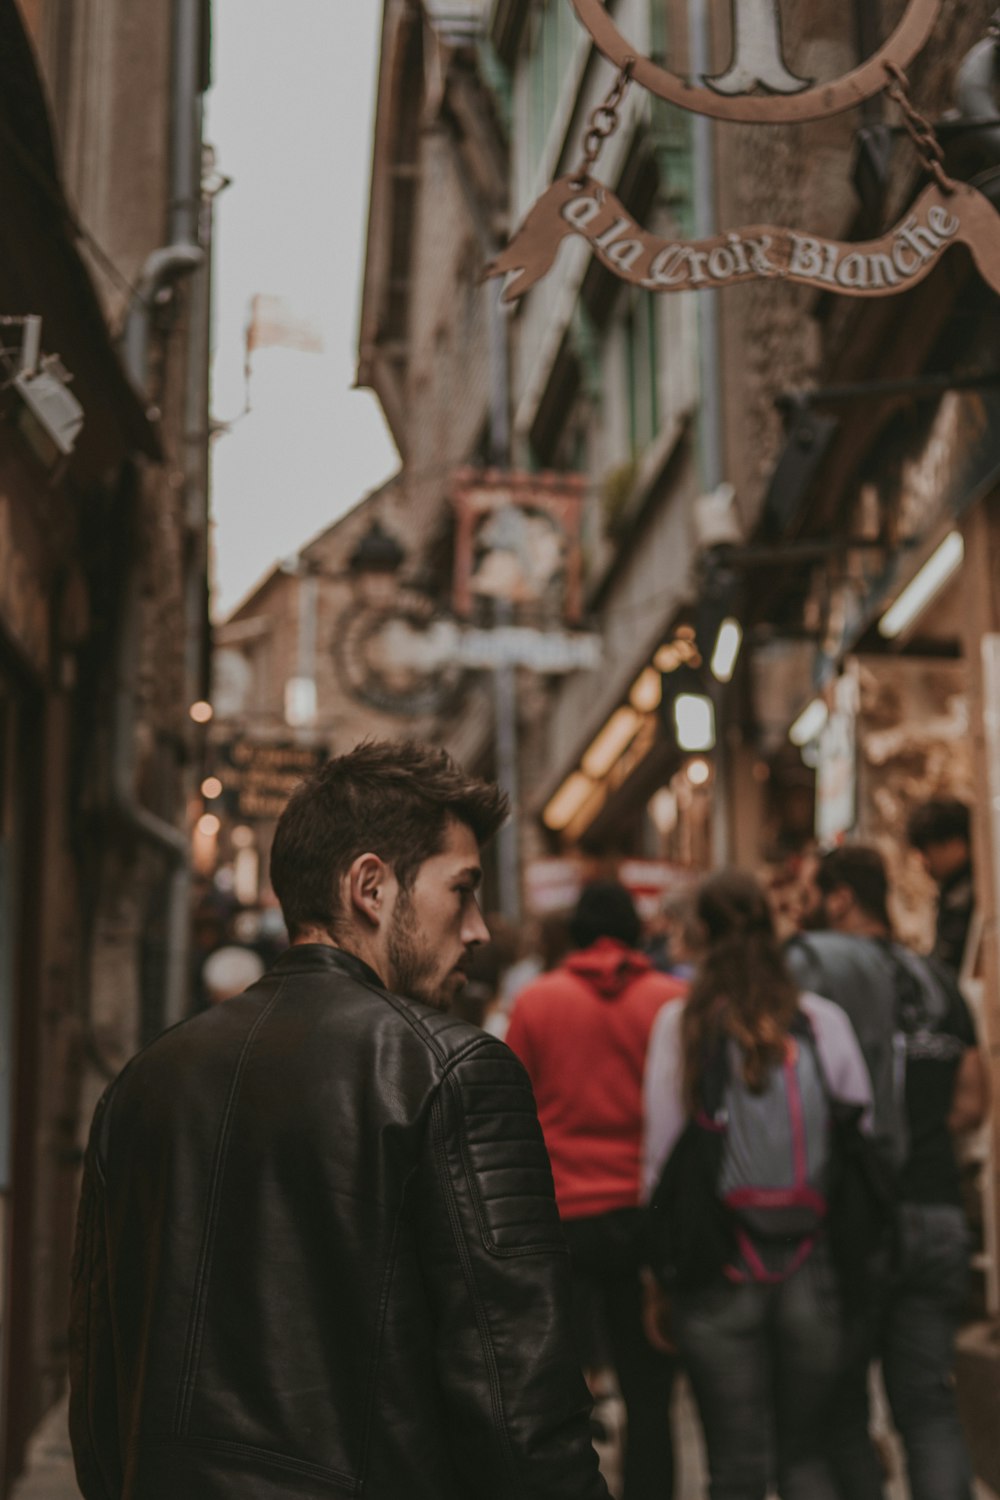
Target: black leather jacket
x,y
318,1255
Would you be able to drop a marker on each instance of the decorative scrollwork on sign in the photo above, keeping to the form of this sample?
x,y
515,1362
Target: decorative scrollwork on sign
x,y
895,262
758,63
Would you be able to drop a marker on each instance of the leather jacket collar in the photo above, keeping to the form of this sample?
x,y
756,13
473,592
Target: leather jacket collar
x,y
315,958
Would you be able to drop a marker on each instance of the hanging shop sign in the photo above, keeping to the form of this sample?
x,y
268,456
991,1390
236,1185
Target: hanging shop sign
x,y
395,658
258,778
407,661
898,261
517,588
758,63
517,542
758,87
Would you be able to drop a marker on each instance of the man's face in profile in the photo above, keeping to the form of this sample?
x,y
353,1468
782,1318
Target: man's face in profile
x,y
437,923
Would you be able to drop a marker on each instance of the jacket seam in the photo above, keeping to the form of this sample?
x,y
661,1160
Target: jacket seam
x,y
486,1342
417,1025
192,1353
383,1304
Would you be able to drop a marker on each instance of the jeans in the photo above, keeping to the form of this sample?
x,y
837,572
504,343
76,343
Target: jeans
x,y
915,1338
604,1252
763,1363
918,1348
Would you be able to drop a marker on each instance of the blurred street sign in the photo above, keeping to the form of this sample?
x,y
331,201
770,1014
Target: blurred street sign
x,y
546,651
258,778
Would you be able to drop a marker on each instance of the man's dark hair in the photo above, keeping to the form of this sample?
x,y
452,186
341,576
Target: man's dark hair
x,y
938,822
605,909
393,798
861,869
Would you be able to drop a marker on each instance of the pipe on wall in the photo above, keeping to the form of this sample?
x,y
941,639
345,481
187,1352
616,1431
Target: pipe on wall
x,y
182,256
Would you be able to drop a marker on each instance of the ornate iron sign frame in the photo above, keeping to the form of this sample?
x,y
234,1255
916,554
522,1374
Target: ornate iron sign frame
x,y
757,62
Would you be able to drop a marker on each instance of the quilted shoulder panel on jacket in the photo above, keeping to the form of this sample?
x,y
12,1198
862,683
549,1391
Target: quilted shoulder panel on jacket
x,y
504,1155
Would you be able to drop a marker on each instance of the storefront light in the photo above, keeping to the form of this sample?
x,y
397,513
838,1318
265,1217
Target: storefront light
x,y
209,825
211,788
810,723
663,811
201,712
694,722
613,740
727,650
941,566
647,691
699,772
567,802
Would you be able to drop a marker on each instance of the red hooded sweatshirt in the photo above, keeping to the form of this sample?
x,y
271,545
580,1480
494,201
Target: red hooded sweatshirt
x,y
582,1033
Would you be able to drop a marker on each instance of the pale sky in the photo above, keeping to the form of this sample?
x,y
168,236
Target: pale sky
x,y
290,116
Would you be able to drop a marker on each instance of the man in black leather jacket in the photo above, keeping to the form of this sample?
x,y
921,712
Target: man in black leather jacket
x,y
318,1252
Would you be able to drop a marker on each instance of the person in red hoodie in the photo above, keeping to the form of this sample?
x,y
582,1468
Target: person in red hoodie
x,y
582,1033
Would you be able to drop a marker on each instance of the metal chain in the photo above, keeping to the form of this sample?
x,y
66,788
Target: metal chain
x,y
993,29
604,121
919,128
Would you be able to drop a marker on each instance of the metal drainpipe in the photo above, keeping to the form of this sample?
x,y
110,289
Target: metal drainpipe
x,y
711,433
506,749
504,675
181,257
182,254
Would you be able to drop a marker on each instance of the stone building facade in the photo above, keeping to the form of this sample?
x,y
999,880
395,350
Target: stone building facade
x,y
103,608
779,457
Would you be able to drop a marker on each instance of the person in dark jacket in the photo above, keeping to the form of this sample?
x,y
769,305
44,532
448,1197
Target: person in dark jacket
x,y
318,1249
582,1033
940,831
909,1007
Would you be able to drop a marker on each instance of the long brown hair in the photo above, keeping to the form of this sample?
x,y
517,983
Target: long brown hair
x,y
742,988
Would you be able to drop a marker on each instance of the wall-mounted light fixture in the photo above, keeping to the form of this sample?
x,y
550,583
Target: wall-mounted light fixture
x,y
694,722
48,415
571,797
727,650
699,772
374,564
647,691
810,723
615,737
938,570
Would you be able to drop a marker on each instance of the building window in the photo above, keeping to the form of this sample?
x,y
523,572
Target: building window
x,y
555,35
642,373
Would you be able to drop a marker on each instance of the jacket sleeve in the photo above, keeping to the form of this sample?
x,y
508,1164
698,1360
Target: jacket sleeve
x,y
93,1406
497,1272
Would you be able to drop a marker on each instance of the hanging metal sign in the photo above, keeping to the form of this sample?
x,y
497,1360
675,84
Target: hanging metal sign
x,y
947,213
758,63
899,260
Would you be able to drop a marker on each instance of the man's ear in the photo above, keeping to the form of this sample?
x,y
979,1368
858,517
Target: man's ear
x,y
367,883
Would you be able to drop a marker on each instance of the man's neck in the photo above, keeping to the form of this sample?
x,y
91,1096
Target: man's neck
x,y
356,948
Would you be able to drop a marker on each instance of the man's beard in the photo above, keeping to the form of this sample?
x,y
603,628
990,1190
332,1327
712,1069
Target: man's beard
x,y
415,970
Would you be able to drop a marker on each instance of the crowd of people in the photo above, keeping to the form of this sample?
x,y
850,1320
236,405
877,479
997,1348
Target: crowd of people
x,y
759,1043
337,1237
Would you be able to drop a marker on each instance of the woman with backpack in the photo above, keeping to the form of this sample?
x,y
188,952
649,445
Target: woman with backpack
x,y
743,1084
